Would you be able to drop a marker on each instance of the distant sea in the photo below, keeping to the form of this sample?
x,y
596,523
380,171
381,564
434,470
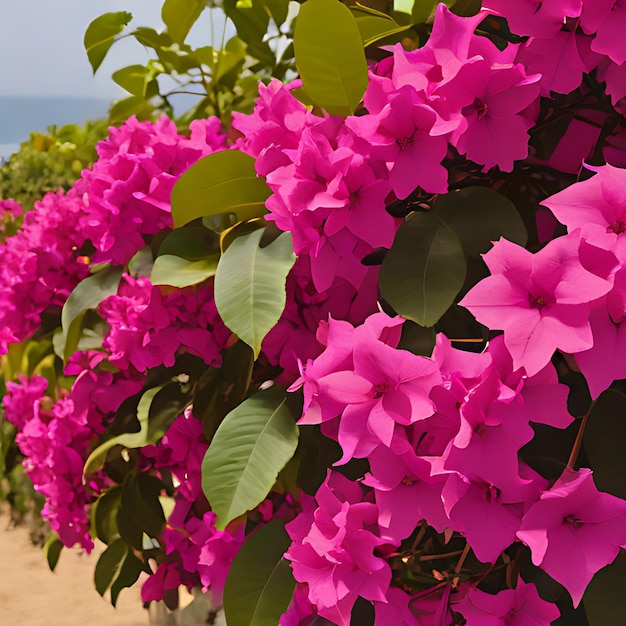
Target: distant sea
x,y
19,115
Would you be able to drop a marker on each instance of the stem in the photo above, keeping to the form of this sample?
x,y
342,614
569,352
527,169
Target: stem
x,y
459,565
579,440
434,557
468,340
464,554
418,538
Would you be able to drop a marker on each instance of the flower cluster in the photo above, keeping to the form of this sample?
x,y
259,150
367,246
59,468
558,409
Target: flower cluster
x,y
197,555
428,450
147,328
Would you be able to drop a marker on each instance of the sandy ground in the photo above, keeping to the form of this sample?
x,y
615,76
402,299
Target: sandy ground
x,y
32,595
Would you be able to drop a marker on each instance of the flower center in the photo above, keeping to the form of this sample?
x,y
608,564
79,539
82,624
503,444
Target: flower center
x,y
405,142
536,302
481,108
409,479
618,228
380,390
573,520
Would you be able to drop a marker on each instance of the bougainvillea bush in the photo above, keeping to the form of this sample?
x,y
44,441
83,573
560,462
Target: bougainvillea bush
x,y
355,357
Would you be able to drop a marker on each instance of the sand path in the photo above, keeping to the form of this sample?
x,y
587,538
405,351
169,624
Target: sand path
x,y
32,595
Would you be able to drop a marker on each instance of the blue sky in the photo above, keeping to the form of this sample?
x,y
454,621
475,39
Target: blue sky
x,y
41,46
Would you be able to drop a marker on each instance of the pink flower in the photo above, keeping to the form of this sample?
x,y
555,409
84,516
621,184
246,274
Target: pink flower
x,y
521,606
538,18
597,206
574,530
332,549
541,301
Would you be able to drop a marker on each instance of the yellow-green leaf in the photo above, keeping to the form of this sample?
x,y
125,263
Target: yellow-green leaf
x,y
100,35
222,182
330,56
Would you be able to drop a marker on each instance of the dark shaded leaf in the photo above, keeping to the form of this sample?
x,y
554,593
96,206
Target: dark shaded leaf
x,y
140,500
604,599
52,550
424,270
605,441
479,216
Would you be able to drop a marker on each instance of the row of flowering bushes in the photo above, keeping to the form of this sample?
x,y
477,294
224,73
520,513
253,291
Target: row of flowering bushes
x,y
247,363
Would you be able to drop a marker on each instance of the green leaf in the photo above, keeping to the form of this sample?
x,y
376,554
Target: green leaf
x,y
604,440
221,182
375,26
423,10
133,105
260,583
251,446
220,389
424,270
132,78
127,577
330,56
278,10
172,270
180,15
100,35
140,500
166,406
193,243
479,216
104,514
52,550
465,8
109,564
252,25
88,294
129,440
604,599
250,286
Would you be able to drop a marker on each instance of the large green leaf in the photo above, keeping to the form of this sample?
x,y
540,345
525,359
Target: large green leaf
x,y
140,500
424,270
104,514
222,182
193,243
250,285
479,216
109,564
100,35
172,270
220,389
88,294
251,19
425,9
129,440
604,599
250,447
374,25
605,440
260,583
128,574
330,56
180,15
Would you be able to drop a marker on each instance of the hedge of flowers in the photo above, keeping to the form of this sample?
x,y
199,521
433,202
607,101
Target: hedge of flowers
x,y
450,468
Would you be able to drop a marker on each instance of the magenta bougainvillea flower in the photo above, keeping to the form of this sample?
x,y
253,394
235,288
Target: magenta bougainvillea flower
x,y
521,606
332,549
574,530
541,301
